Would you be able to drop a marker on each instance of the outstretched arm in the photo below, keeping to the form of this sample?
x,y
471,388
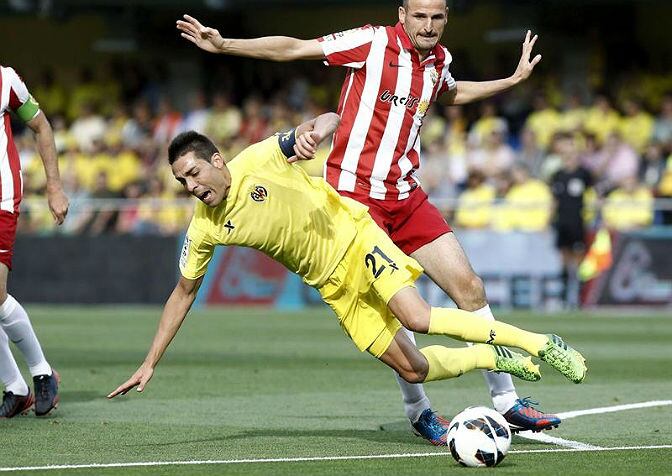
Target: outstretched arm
x,y
310,135
174,312
469,91
58,202
274,48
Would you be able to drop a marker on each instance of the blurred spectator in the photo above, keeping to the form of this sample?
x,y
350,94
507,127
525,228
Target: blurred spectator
x,y
637,125
573,114
628,207
569,186
225,120
102,218
196,119
53,97
527,204
486,124
662,132
254,126
544,121
530,153
601,119
167,122
494,156
86,93
88,127
653,165
475,204
615,162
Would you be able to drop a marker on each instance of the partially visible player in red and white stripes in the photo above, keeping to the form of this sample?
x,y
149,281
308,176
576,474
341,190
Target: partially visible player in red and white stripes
x,y
14,322
394,73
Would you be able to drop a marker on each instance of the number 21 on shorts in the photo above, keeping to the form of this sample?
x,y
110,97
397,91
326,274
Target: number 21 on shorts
x,y
377,267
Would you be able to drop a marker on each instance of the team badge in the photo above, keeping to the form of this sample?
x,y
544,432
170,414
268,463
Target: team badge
x,y
434,76
259,193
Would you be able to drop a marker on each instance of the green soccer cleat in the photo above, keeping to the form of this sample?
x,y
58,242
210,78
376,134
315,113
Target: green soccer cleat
x,y
564,359
515,364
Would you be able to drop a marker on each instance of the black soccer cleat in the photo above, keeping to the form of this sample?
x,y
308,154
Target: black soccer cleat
x,y
46,392
13,405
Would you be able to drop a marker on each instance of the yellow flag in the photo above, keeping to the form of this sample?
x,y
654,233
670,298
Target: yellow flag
x,y
598,258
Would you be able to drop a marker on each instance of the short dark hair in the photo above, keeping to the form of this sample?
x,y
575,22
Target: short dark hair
x,y
191,141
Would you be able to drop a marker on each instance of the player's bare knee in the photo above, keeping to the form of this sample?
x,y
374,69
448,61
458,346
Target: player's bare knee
x,y
471,293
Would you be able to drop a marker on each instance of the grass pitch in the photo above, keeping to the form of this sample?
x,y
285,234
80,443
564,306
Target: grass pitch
x,y
258,384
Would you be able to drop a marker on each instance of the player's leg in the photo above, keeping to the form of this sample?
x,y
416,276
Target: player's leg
x,y
447,265
417,405
15,323
415,314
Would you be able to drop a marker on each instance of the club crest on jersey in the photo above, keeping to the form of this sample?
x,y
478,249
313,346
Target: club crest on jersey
x,y
434,76
259,193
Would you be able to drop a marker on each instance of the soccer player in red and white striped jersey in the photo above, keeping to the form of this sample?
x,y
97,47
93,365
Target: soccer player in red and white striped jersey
x,y
14,322
394,73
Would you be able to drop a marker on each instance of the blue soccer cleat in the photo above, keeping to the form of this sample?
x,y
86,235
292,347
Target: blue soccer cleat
x,y
46,392
431,427
523,416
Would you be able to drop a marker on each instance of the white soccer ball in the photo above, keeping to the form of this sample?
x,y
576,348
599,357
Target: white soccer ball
x,y
479,436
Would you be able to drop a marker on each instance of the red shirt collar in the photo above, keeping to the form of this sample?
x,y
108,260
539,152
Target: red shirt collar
x,y
436,53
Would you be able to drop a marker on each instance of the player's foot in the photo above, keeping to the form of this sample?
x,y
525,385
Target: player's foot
x,y
564,359
431,427
46,392
523,416
12,404
515,364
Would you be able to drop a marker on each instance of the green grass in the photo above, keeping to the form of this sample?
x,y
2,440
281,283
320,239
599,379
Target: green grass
x,y
250,384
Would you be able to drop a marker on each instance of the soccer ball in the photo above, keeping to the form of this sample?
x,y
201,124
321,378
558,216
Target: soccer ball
x,y
479,436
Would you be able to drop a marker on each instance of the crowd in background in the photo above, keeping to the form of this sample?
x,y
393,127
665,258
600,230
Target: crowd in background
x,y
487,166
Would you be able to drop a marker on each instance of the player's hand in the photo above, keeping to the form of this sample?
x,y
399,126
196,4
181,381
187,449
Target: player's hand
x,y
306,146
205,38
525,66
58,204
139,379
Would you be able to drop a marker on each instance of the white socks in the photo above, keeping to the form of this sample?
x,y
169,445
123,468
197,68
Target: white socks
x,y
502,391
14,321
415,400
9,372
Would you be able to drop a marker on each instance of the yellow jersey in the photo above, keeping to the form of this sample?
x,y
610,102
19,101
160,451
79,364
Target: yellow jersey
x,y
276,208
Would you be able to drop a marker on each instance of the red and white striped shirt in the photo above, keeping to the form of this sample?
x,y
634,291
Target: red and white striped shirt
x,y
13,95
385,96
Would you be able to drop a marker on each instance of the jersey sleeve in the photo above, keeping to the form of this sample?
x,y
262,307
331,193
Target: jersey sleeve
x,y
196,253
20,100
348,48
448,83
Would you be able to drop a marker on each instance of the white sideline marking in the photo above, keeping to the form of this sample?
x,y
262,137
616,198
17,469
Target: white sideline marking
x,y
615,408
310,459
545,438
570,447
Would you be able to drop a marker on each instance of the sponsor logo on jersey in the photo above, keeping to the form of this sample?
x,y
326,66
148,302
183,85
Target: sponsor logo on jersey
x,y
184,254
409,101
259,193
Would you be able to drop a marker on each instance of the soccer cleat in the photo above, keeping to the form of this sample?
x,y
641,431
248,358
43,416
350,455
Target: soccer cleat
x,y
564,359
431,427
46,392
13,404
524,417
515,364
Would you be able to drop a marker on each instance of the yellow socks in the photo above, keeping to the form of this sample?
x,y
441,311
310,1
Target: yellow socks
x,y
448,363
469,327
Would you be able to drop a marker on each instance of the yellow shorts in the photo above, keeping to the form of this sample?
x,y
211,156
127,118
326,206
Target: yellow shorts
x,y
372,271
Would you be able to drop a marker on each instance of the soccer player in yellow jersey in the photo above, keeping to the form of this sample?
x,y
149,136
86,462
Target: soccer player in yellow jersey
x,y
262,200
